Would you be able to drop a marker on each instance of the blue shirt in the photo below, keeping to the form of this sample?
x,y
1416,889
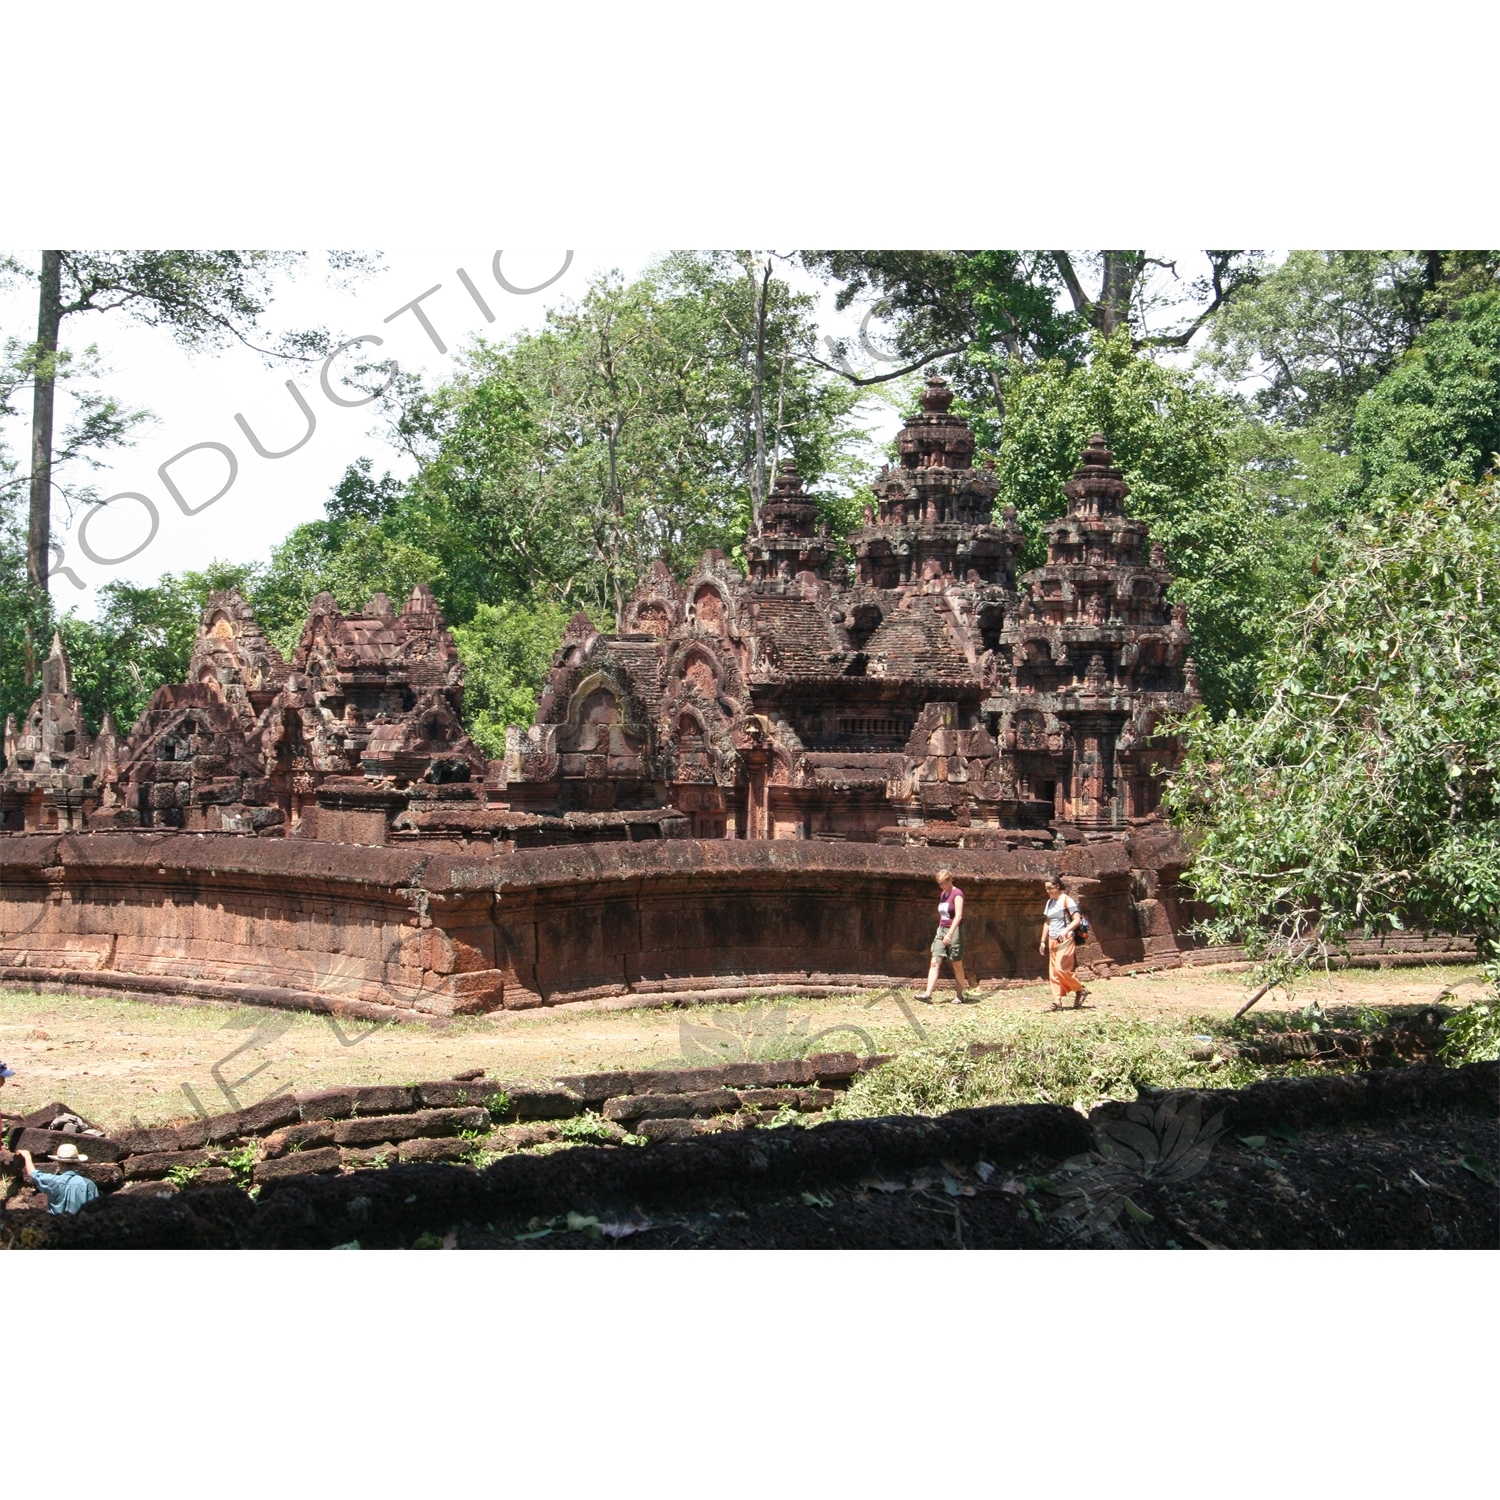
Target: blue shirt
x,y
66,1192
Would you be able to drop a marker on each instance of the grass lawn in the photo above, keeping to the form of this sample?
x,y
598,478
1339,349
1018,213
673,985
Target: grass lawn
x,y
118,1061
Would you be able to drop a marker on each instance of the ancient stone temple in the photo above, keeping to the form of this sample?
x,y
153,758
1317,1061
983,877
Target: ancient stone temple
x,y
54,769
363,723
768,766
929,696
923,694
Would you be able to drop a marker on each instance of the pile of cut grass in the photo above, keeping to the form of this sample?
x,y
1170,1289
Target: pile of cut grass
x,y
1026,1059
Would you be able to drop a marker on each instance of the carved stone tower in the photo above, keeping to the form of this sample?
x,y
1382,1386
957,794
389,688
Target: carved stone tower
x,y
789,541
933,511
1096,653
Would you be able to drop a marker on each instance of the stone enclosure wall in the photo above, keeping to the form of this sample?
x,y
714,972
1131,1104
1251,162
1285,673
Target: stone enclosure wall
x,y
329,926
420,934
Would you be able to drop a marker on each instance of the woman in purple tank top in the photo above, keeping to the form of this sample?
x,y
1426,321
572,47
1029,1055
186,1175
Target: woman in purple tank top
x,y
949,942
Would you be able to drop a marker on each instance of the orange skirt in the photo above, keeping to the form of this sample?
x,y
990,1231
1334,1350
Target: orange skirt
x,y
1060,966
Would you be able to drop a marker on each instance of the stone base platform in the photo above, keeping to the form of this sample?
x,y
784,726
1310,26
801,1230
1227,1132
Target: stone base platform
x,y
421,934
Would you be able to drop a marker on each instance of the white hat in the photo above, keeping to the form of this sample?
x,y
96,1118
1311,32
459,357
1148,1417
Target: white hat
x,y
68,1152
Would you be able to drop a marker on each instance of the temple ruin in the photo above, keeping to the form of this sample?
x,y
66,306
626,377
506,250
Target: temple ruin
x,y
928,693
924,694
748,784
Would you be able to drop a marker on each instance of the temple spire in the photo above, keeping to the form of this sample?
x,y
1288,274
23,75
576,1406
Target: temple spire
x,y
57,671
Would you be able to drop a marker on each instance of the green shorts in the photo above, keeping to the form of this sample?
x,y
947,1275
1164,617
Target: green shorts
x,y
942,948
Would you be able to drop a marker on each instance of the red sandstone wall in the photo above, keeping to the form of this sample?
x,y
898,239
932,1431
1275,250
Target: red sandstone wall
x,y
605,919
340,926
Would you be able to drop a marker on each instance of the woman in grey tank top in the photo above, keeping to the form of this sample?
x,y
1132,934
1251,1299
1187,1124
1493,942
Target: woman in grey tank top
x,y
1062,919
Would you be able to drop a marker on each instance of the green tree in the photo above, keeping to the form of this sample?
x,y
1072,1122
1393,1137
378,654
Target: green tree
x,y
1436,415
25,615
506,650
558,464
364,545
1175,439
981,315
1325,327
1363,794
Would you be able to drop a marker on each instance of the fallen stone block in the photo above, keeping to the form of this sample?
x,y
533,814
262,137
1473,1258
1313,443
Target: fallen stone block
x,y
531,1100
383,1099
791,1070
682,1129
258,1119
159,1163
299,1164
44,1142
595,1088
424,1122
458,1092
805,1100
840,1066
162,1138
151,1187
107,1176
666,1130
326,1104
672,1106
346,1103
368,1156
520,1137
303,1136
429,1149
697,1080
41,1118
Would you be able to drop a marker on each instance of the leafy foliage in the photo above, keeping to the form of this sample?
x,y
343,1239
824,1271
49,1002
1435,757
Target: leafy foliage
x,y
506,650
1325,327
1436,416
563,461
1027,1059
1473,1035
204,298
1320,331
353,560
979,316
99,422
25,616
1362,794
973,314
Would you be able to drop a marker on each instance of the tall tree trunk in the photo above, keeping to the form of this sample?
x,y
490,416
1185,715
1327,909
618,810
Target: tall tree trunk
x,y
44,396
780,410
1122,270
758,473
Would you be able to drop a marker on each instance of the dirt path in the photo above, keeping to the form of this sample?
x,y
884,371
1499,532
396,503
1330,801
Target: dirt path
x,y
119,1061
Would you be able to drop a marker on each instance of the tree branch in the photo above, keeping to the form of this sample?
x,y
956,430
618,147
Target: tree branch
x,y
1082,302
1181,339
926,359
